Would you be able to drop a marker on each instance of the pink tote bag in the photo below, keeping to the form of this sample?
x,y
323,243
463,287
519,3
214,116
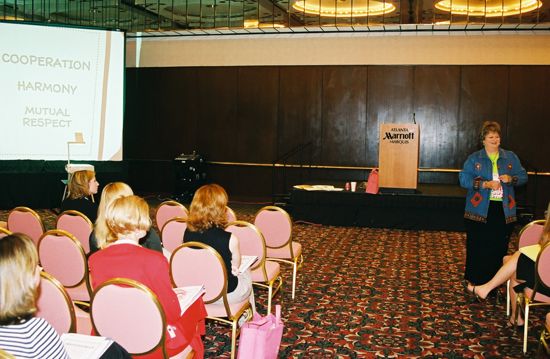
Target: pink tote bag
x,y
261,337
372,183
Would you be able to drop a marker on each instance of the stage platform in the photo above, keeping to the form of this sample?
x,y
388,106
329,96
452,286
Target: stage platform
x,y
432,207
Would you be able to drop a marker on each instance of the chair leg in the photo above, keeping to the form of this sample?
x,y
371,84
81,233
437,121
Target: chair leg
x,y
269,294
526,327
508,298
294,270
233,338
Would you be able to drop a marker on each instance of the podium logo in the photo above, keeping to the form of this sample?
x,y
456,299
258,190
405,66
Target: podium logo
x,y
398,136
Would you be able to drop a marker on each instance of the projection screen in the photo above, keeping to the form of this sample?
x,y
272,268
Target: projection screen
x,y
57,82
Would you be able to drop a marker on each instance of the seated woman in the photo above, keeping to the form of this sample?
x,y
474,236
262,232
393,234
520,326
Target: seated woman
x,y
82,186
205,224
520,269
98,238
127,219
21,333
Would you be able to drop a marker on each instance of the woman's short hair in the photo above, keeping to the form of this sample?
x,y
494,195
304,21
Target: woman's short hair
x,y
18,286
110,192
125,215
79,186
489,126
208,208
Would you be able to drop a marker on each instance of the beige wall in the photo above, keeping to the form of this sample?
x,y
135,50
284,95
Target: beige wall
x,y
436,48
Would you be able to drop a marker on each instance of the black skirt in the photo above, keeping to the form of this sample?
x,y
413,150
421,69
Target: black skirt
x,y
526,272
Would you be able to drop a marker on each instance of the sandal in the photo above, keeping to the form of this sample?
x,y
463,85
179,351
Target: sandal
x,y
473,292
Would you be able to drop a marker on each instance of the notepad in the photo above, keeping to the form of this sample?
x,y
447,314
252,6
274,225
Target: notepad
x,y
189,295
247,262
83,346
531,251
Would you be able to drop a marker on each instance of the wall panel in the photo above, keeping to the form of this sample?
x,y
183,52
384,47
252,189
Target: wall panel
x,y
436,104
344,115
256,120
390,99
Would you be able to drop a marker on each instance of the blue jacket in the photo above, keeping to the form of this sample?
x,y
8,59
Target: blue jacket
x,y
478,168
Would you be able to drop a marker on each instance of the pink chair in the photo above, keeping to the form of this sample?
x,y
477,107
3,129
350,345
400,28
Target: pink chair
x,y
529,235
530,297
62,256
27,221
172,233
4,232
168,210
265,273
55,305
194,263
131,314
77,224
276,226
231,216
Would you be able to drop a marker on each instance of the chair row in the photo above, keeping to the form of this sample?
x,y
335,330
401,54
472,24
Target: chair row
x,y
191,264
269,238
137,323
27,221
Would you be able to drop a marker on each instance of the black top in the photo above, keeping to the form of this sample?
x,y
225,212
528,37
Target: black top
x,y
218,239
151,241
82,205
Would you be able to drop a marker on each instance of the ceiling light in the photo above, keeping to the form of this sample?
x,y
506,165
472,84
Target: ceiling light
x,y
488,8
344,8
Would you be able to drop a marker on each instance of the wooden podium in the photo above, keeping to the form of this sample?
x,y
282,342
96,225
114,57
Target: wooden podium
x,y
398,156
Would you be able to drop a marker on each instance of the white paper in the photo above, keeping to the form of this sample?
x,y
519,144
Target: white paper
x,y
188,295
81,346
247,262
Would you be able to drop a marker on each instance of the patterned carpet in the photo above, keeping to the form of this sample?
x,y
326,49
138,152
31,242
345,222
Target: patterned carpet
x,y
380,293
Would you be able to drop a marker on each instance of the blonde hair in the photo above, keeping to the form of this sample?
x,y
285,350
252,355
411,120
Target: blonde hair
x,y
208,208
18,285
126,215
110,192
489,126
79,186
545,237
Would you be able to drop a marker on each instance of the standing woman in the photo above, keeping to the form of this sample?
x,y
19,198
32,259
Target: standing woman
x,y
21,333
489,175
82,186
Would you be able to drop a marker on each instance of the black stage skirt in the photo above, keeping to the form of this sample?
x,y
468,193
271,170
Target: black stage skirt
x,y
526,271
486,244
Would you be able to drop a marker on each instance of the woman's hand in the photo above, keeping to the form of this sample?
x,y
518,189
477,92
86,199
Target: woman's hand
x,y
494,185
505,178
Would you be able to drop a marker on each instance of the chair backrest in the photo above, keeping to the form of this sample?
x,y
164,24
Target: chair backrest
x,y
4,232
530,233
275,225
194,263
251,241
62,256
27,221
55,305
172,233
543,266
168,210
231,216
77,224
129,313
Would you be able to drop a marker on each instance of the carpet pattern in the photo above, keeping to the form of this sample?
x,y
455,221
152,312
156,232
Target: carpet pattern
x,y
380,293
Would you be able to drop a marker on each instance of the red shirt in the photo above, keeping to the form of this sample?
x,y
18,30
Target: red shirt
x,y
151,269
